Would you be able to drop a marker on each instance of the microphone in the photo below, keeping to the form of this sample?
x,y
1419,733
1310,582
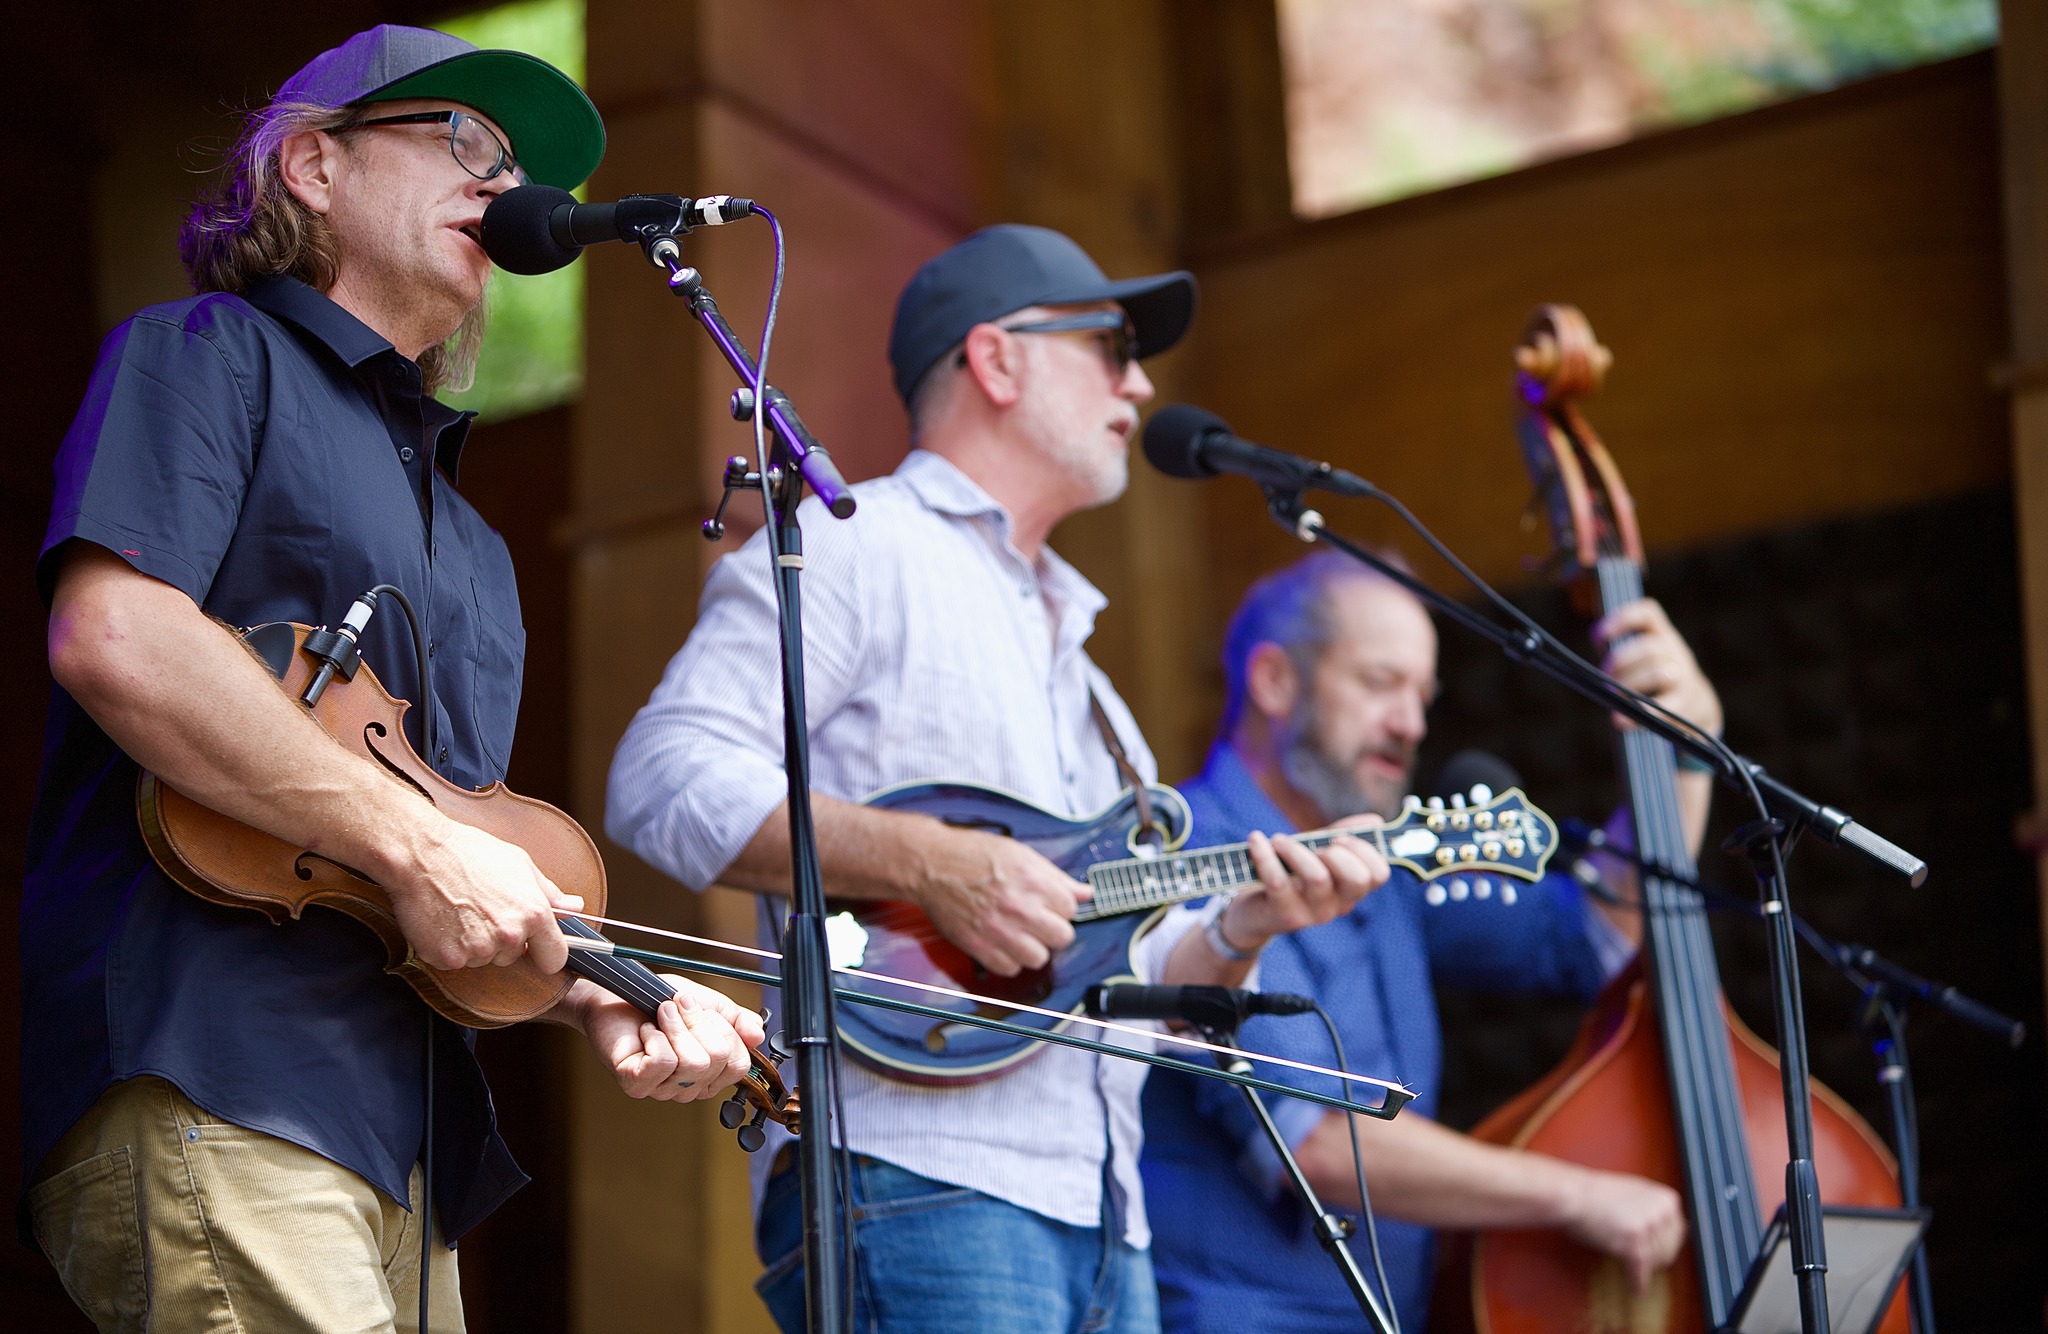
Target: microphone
x,y
539,228
1184,441
1944,998
1220,1009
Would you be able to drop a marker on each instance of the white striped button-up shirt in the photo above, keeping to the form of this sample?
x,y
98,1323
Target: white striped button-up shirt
x,y
932,650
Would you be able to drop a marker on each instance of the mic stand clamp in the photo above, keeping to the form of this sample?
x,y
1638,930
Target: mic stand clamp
x,y
1331,1231
738,477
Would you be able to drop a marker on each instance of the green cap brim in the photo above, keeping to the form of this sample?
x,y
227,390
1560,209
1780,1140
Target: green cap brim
x,y
556,133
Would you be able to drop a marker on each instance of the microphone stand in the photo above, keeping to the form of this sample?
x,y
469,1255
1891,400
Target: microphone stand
x,y
1887,990
1330,1230
1763,840
795,457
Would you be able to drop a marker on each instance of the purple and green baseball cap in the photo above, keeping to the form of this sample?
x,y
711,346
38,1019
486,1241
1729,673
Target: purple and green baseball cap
x,y
556,132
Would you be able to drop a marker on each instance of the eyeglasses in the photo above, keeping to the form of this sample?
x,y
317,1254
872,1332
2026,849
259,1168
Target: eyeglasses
x,y
476,147
1122,339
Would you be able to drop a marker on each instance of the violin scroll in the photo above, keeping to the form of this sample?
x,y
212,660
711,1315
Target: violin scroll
x,y
761,1097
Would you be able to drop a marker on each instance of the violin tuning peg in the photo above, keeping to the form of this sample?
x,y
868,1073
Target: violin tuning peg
x,y
752,1137
772,1048
732,1113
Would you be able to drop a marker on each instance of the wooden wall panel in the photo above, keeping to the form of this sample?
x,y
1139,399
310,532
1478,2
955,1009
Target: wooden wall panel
x,y
1803,304
900,94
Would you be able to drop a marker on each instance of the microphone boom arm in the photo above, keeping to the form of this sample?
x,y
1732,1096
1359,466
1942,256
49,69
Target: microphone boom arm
x,y
811,458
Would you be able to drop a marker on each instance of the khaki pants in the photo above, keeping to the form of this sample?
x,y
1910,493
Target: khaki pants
x,y
161,1218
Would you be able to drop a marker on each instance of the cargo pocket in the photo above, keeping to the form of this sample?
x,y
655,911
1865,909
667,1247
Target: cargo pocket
x,y
85,1220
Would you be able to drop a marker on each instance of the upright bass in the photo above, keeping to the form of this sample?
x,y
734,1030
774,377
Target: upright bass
x,y
1663,1081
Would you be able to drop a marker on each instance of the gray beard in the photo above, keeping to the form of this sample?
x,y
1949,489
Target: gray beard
x,y
1332,788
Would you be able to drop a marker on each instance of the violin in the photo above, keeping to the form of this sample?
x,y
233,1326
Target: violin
x,y
1663,1081
227,862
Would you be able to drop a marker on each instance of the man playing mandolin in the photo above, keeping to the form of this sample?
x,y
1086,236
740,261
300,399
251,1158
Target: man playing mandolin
x,y
1330,669
945,640
224,1119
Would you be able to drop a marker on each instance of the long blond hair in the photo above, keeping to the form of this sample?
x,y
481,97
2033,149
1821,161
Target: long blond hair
x,y
251,227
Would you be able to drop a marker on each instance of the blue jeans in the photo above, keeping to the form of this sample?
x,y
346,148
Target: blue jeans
x,y
938,1259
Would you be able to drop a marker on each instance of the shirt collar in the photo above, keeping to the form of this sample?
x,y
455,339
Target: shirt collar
x,y
1225,775
940,484
944,489
319,315
356,343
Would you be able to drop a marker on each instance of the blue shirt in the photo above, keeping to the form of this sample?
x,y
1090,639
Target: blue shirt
x,y
272,457
1232,1246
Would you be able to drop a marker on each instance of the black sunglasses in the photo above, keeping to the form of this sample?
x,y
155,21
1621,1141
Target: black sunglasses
x,y
1123,339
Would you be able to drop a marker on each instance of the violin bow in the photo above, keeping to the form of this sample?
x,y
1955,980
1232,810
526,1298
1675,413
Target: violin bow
x,y
1394,1096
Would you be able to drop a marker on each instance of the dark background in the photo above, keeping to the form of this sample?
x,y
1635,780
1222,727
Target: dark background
x,y
1875,665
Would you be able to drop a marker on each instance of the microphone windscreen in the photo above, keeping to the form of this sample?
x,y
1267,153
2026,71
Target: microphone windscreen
x,y
1468,768
516,234
1173,439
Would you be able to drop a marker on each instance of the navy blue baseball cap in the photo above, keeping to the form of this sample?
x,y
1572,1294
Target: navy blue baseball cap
x,y
556,132
1008,267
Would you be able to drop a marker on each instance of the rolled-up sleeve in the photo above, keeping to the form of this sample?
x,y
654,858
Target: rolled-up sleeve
x,y
700,768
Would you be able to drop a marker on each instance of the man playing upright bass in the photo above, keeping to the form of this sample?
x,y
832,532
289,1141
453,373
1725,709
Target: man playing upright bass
x,y
223,1119
1330,668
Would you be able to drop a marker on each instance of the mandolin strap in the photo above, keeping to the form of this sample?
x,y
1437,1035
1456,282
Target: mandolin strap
x,y
1150,832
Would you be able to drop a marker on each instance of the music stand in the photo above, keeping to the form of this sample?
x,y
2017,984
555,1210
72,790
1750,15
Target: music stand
x,y
1867,1250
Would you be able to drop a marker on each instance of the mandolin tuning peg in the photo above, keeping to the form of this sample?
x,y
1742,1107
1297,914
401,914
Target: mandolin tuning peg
x,y
732,1113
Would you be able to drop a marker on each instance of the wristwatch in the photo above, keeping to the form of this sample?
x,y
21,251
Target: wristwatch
x,y
1212,931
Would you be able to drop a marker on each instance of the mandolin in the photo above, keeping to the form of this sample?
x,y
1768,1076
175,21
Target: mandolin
x,y
1476,849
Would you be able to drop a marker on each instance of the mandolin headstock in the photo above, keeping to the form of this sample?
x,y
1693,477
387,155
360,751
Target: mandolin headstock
x,y
1500,834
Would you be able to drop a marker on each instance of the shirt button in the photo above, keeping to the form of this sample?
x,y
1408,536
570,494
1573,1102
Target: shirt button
x,y
405,454
444,754
433,646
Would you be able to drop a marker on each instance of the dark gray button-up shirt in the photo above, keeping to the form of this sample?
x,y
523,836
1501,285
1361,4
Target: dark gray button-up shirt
x,y
272,457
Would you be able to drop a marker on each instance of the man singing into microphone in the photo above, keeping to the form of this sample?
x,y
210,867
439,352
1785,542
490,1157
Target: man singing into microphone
x,y
1330,668
943,639
224,1120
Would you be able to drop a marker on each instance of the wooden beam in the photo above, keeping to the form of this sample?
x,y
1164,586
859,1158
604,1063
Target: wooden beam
x,y
2023,124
